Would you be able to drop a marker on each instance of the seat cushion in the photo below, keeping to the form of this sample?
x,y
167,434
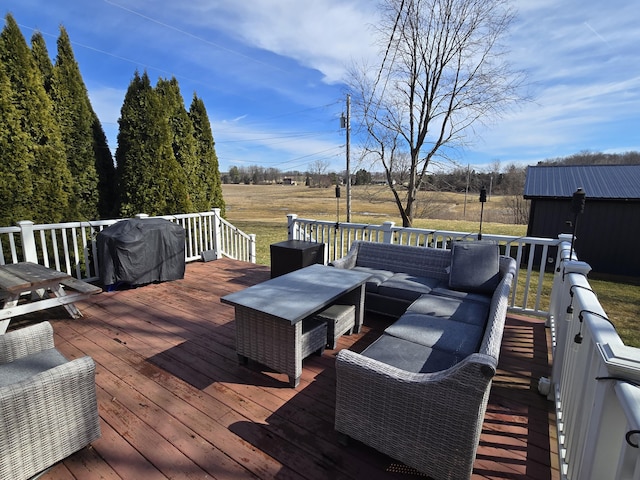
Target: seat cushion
x,y
406,286
377,277
410,356
457,338
476,297
475,267
467,311
25,367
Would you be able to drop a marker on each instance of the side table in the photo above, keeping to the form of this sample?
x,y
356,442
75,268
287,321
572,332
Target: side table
x,y
293,255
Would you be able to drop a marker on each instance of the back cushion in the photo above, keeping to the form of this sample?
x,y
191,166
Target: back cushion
x,y
475,267
419,261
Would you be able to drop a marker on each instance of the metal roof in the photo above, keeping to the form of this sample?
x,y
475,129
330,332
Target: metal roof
x,y
598,181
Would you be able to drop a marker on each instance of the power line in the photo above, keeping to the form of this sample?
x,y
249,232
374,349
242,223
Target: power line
x,y
189,34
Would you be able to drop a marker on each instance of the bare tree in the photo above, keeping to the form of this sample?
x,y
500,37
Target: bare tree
x,y
318,169
443,70
513,188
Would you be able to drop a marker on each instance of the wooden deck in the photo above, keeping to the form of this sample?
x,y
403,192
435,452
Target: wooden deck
x,y
174,403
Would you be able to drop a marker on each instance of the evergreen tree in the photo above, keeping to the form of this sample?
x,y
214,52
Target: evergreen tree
x,y
209,170
15,158
150,180
50,176
43,62
76,118
183,141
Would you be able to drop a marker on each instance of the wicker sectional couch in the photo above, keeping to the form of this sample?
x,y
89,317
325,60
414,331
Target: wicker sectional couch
x,y
420,391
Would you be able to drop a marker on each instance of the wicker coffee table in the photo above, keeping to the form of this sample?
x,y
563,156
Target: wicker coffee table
x,y
270,315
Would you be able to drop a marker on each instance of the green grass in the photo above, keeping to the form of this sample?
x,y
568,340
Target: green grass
x,y
262,210
621,301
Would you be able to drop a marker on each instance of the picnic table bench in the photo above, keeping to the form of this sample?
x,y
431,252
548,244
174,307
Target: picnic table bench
x,y
34,284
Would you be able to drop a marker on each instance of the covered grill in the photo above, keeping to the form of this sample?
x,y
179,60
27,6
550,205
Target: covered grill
x,y
140,251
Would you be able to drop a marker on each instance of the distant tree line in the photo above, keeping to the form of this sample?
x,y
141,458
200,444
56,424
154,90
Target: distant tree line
x,y
501,181
55,163
596,158
496,178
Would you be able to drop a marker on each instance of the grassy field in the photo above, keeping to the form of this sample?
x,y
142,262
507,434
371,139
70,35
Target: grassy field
x,y
262,210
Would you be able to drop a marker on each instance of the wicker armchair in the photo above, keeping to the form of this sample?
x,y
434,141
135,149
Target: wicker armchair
x,y
48,407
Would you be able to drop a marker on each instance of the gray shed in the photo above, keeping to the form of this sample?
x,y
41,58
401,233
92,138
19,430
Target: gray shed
x,y
608,231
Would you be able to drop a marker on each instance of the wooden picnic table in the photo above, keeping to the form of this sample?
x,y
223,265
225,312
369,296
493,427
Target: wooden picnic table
x,y
36,283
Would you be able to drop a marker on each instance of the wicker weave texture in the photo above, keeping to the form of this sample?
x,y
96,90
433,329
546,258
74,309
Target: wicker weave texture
x,y
276,343
420,261
339,319
23,342
314,337
47,417
431,422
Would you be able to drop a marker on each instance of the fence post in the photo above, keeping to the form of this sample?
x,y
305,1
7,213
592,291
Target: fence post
x,y
29,252
293,229
252,255
388,232
217,233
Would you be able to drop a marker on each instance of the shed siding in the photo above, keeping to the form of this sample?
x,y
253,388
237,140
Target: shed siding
x,y
607,232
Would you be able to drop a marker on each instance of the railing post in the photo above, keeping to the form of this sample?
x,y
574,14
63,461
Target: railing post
x,y
293,229
29,252
388,232
562,300
252,254
217,233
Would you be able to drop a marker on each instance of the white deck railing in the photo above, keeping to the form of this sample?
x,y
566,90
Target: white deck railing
x,y
533,254
71,247
594,381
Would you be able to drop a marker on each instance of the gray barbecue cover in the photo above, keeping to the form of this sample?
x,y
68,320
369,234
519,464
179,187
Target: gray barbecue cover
x,y
137,252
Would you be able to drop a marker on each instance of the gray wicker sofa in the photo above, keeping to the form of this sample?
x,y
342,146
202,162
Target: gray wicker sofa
x,y
419,392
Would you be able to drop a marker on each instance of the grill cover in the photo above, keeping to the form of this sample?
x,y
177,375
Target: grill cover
x,y
138,252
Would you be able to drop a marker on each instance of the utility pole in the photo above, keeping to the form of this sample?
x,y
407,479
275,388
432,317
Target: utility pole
x,y
346,123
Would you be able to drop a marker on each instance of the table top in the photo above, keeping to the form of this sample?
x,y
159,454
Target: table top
x,y
300,293
24,276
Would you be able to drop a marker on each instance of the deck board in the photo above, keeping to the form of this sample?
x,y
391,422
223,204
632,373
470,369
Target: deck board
x,y
175,403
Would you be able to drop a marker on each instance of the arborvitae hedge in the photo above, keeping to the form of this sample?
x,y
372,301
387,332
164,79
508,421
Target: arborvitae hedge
x,y
182,140
15,175
55,162
75,117
150,179
50,176
208,168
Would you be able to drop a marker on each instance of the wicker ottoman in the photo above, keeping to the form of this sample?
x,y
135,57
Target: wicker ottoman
x,y
314,337
340,319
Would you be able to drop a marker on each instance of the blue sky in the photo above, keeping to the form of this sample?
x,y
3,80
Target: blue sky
x,y
271,72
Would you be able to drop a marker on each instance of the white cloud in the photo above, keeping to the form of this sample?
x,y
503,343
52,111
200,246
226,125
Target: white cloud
x,y
241,143
325,35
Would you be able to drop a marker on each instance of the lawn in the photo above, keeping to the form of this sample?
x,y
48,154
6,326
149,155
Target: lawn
x,y
262,210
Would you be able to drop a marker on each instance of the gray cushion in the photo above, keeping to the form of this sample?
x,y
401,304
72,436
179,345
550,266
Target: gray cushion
x,y
377,277
406,286
410,356
476,297
25,367
475,267
475,313
438,333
